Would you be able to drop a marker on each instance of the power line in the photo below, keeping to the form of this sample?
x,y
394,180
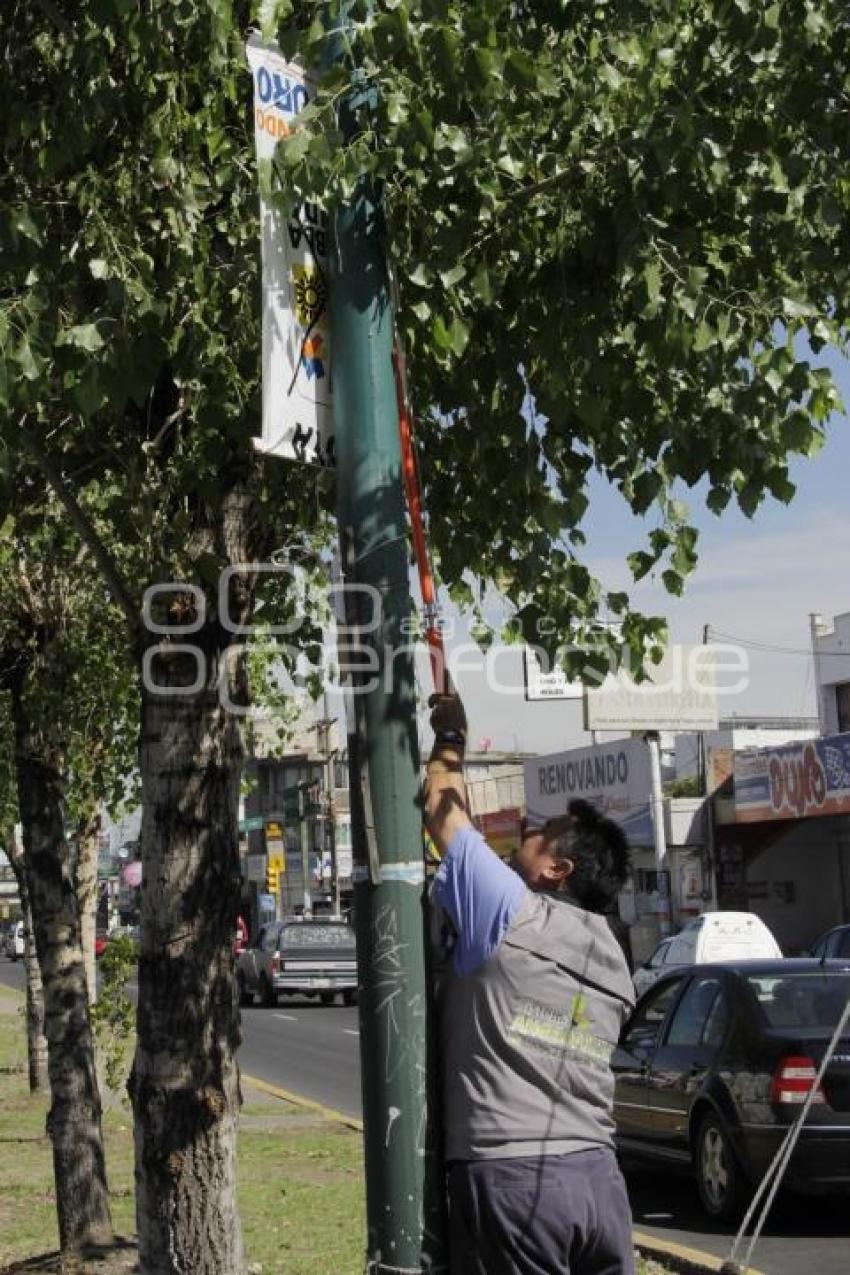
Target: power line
x,y
772,649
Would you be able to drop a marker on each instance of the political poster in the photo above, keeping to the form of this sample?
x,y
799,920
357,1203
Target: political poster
x,y
297,368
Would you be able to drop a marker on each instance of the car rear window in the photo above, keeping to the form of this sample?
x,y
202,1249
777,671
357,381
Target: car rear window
x,y
814,998
318,936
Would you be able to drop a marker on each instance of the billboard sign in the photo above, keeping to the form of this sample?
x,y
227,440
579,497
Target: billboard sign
x,y
540,686
794,781
297,402
615,777
680,694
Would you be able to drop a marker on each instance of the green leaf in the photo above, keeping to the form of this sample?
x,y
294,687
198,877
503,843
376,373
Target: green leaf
x,y
449,278
645,489
520,69
640,564
24,357
459,334
420,276
84,336
705,337
673,582
652,281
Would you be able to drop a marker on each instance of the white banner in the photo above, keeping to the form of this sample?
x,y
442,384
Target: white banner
x,y
297,405
680,694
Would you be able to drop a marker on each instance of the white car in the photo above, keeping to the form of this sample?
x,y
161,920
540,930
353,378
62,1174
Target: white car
x,y
646,975
713,936
16,942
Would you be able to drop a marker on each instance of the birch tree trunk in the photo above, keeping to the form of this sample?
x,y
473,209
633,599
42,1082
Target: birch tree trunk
x,y
36,1039
74,1119
85,885
185,1081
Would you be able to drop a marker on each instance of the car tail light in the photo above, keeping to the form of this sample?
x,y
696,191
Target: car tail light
x,y
794,1080
276,963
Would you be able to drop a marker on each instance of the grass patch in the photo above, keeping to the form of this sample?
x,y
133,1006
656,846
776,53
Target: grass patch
x,y
301,1195
300,1189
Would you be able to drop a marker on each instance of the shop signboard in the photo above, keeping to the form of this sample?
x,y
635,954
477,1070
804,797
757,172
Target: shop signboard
x,y
801,780
615,777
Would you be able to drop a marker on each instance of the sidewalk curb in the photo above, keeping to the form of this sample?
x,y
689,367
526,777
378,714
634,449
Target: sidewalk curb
x,y
652,1246
298,1100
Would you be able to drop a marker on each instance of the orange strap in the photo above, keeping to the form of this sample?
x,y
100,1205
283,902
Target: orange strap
x,y
413,491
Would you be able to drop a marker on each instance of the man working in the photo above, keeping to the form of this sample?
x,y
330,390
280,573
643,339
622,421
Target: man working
x,y
531,1000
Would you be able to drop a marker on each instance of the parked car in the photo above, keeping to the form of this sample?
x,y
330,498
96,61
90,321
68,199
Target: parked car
x,y
835,943
15,946
713,936
713,1064
310,958
646,974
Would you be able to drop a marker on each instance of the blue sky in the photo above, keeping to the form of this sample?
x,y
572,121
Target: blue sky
x,y
757,580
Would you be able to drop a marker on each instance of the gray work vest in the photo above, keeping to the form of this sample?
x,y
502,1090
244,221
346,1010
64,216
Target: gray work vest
x,y
526,1039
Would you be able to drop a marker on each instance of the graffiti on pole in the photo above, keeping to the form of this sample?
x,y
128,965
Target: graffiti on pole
x,y
297,403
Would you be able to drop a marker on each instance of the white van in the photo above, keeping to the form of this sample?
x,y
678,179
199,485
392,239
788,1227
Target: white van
x,y
16,942
714,936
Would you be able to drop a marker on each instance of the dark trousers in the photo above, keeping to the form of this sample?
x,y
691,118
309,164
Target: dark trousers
x,y
548,1215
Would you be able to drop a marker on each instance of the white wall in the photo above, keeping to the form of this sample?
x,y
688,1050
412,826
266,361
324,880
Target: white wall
x,y
815,857
833,667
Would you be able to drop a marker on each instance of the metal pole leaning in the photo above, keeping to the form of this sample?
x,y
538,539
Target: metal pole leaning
x,y
404,1189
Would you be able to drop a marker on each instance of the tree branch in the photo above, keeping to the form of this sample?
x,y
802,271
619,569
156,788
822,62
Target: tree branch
x,y
85,529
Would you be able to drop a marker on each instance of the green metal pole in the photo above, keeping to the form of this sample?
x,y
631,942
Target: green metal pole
x,y
404,1189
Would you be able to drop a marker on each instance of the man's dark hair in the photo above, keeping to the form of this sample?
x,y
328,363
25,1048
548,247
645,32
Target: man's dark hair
x,y
600,853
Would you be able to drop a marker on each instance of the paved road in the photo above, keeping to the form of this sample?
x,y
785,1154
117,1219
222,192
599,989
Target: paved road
x,y
312,1050
802,1236
309,1048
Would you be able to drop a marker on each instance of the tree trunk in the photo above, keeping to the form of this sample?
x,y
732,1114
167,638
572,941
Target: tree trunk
x,y
36,1039
185,1081
74,1120
85,885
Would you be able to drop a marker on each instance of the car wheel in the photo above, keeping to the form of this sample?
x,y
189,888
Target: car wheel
x,y
327,998
267,993
720,1179
246,997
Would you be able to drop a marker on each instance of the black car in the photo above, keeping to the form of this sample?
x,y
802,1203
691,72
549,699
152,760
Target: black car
x,y
834,944
713,1065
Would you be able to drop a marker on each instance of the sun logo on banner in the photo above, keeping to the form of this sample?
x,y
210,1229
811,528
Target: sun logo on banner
x,y
311,295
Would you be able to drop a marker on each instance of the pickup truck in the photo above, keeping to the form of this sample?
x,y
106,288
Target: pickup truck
x,y
304,958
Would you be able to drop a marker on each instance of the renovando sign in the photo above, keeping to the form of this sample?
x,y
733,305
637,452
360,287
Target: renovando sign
x,y
615,777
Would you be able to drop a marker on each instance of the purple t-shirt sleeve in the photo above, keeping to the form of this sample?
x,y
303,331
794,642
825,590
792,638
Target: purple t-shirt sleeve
x,y
481,895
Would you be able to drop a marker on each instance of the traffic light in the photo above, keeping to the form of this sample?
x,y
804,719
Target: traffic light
x,y
273,880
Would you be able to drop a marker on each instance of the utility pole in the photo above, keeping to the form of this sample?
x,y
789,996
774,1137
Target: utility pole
x,y
817,628
404,1188
304,840
323,732
654,746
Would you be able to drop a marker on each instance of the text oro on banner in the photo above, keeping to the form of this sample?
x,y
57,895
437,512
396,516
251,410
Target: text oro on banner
x,y
297,376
